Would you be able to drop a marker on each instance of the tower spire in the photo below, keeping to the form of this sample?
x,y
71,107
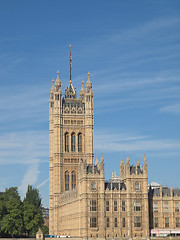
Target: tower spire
x,y
70,62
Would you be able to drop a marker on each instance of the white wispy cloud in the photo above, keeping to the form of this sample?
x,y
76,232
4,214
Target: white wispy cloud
x,y
30,177
120,142
118,84
147,28
175,109
43,183
22,147
23,102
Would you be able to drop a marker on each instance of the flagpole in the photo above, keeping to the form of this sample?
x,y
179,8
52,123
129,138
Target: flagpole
x,y
70,61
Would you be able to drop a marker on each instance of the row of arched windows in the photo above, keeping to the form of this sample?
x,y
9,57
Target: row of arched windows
x,y
73,142
73,180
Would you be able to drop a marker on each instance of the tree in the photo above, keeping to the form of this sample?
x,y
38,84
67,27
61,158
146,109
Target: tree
x,y
11,213
2,213
33,213
45,230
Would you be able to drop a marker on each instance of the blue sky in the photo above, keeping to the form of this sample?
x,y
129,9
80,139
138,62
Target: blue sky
x,y
132,50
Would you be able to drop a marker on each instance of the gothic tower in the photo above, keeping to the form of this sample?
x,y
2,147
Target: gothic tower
x,y
71,139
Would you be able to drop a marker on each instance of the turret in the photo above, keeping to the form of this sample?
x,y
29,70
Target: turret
x,y
102,165
89,92
96,162
51,97
88,84
144,165
127,165
171,191
121,169
137,166
58,83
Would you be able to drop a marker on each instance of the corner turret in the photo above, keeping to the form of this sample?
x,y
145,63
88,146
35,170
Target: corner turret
x,y
57,82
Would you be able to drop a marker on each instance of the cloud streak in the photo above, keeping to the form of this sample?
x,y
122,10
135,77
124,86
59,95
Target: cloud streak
x,y
43,183
23,147
175,109
120,143
30,177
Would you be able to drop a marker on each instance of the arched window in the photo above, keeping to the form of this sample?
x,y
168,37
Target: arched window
x,y
73,141
79,142
66,142
66,181
73,177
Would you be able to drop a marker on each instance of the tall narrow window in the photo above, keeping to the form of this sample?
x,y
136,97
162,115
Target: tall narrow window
x,y
137,206
93,222
156,223
137,221
166,222
107,206
155,206
176,206
136,186
79,142
73,178
124,222
66,142
73,141
166,207
107,222
177,222
93,205
123,206
66,181
115,222
115,206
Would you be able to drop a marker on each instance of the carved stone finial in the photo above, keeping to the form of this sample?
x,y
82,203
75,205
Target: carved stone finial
x,y
96,161
82,91
144,159
127,159
121,162
52,88
88,83
57,74
138,163
58,82
102,159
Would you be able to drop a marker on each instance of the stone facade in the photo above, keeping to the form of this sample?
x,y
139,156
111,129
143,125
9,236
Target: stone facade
x,y
164,210
81,203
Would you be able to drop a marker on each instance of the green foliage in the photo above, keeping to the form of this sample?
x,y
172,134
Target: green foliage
x,y
11,213
33,214
19,218
45,230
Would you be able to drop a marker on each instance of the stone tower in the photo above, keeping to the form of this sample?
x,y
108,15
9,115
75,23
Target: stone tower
x,y
71,140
